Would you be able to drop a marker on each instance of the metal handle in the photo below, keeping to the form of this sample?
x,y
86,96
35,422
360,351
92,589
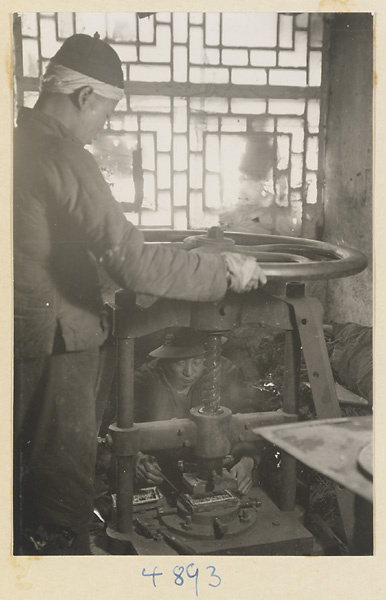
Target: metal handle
x,y
300,259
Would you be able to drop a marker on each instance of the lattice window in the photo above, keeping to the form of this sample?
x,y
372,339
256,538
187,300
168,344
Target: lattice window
x,y
225,109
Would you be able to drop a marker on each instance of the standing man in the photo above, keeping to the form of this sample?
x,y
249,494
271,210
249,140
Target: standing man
x,y
65,221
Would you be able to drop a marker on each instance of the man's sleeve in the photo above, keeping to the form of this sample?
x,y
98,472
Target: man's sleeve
x,y
87,202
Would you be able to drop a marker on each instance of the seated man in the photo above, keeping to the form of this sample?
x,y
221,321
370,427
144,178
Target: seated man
x,y
171,384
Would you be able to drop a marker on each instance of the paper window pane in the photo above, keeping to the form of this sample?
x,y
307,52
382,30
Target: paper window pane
x,y
233,149
114,155
298,56
234,57
149,73
158,218
30,58
315,68
212,29
296,170
163,17
161,51
180,28
296,129
212,153
235,124
121,27
126,52
211,123
316,24
130,123
164,213
209,105
212,56
180,63
249,76
252,30
301,21
285,31
312,188
91,23
208,75
312,153
163,171
49,45
251,106
313,115
30,99
116,122
180,153
196,128
146,29
164,135
196,46
180,121
196,18
196,173
283,150
148,152
281,193
122,105
180,189
148,191
212,191
65,25
291,77
150,103
263,124
263,58
286,107
180,220
29,24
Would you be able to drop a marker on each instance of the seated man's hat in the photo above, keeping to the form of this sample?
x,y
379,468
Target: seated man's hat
x,y
181,344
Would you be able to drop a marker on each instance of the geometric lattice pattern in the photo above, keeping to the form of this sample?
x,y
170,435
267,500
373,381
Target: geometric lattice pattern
x,y
225,108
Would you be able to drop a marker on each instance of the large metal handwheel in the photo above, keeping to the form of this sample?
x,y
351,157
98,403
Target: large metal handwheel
x,y
282,258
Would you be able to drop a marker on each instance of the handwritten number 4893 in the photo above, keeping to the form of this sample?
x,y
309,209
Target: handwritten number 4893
x,y
191,572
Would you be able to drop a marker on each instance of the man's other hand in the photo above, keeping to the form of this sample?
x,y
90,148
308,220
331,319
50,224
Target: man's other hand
x,y
147,469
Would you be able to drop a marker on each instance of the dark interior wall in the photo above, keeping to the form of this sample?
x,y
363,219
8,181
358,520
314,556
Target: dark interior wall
x,y
348,161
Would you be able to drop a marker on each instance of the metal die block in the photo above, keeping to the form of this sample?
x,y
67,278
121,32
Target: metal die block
x,y
213,432
167,435
125,441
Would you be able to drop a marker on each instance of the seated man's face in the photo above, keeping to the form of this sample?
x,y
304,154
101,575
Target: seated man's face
x,y
185,372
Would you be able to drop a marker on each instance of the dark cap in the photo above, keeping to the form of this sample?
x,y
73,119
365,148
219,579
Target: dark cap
x,y
182,343
92,57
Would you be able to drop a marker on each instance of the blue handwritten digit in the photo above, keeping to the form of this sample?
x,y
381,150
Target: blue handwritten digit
x,y
178,575
194,576
214,575
153,575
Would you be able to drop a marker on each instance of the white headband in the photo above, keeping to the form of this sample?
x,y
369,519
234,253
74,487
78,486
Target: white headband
x,y
61,80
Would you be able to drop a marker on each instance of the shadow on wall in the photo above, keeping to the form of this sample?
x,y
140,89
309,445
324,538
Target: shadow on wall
x,y
264,204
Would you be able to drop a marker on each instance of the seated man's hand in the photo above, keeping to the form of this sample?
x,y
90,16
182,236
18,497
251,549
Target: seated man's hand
x,y
244,273
147,469
242,471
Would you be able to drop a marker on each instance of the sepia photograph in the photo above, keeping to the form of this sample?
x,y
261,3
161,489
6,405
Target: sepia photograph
x,y
193,284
